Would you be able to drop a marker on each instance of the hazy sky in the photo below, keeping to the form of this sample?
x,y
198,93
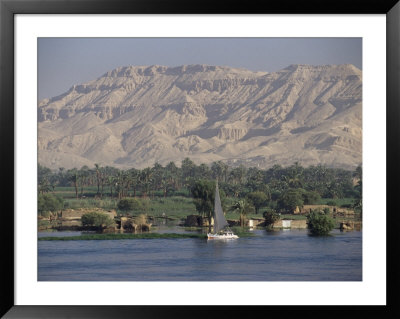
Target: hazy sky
x,y
63,62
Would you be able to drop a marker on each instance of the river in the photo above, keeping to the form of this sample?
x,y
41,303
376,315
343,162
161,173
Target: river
x,y
284,255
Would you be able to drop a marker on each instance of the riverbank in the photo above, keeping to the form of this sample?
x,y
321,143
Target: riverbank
x,y
124,236
150,235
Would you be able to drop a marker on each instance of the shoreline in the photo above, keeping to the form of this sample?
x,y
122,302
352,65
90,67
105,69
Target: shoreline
x,y
123,236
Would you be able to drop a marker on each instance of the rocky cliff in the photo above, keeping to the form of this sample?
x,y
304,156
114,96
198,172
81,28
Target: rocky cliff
x,y
135,116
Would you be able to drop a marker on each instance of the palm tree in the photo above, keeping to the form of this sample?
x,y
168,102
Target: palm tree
x,y
83,175
358,201
122,183
225,169
202,171
126,183
108,178
157,171
134,176
243,208
258,199
203,193
294,176
166,182
73,177
188,168
111,182
97,168
61,176
237,175
103,178
219,170
173,172
358,172
45,179
119,184
44,186
146,177
255,179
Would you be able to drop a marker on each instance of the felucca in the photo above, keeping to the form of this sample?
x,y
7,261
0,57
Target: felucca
x,y
221,229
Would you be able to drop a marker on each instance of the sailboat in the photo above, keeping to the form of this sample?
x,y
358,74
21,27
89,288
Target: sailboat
x,y
221,229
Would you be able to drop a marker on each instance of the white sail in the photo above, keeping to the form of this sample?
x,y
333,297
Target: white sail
x,y
219,218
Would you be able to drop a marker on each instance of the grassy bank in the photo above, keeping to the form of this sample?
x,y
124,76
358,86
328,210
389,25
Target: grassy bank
x,y
173,207
242,232
237,230
125,236
179,206
337,201
293,217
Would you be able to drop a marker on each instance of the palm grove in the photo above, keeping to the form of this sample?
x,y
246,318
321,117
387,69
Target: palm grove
x,y
274,190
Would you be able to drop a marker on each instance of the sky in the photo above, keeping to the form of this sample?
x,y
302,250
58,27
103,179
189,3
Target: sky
x,y
63,62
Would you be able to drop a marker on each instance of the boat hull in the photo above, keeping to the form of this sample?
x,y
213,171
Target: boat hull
x,y
223,236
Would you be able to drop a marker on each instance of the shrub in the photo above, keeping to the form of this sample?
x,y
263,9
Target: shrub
x,y
311,197
181,192
130,204
258,199
319,224
49,203
145,202
331,203
290,199
358,206
270,217
141,219
97,219
275,195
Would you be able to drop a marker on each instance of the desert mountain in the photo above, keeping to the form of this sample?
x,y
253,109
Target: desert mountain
x,y
138,115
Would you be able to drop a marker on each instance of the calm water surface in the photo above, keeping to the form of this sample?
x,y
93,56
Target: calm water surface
x,y
285,255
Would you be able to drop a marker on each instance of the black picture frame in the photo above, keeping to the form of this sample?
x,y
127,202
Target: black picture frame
x,y
9,8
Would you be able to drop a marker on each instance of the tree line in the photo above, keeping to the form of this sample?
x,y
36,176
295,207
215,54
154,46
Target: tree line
x,y
294,181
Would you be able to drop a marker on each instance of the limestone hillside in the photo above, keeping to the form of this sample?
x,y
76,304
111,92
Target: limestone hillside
x,y
138,115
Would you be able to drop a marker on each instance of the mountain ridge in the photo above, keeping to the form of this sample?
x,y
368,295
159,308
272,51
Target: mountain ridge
x,y
137,115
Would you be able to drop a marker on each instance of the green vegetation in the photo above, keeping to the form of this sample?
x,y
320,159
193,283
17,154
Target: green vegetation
x,y
319,223
326,211
258,199
125,236
141,220
96,219
243,208
339,202
311,197
171,180
237,230
290,200
105,203
130,204
134,205
48,203
358,191
174,207
271,217
293,217
203,193
242,232
178,191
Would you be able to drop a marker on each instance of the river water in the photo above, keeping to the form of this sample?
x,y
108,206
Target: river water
x,y
284,255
